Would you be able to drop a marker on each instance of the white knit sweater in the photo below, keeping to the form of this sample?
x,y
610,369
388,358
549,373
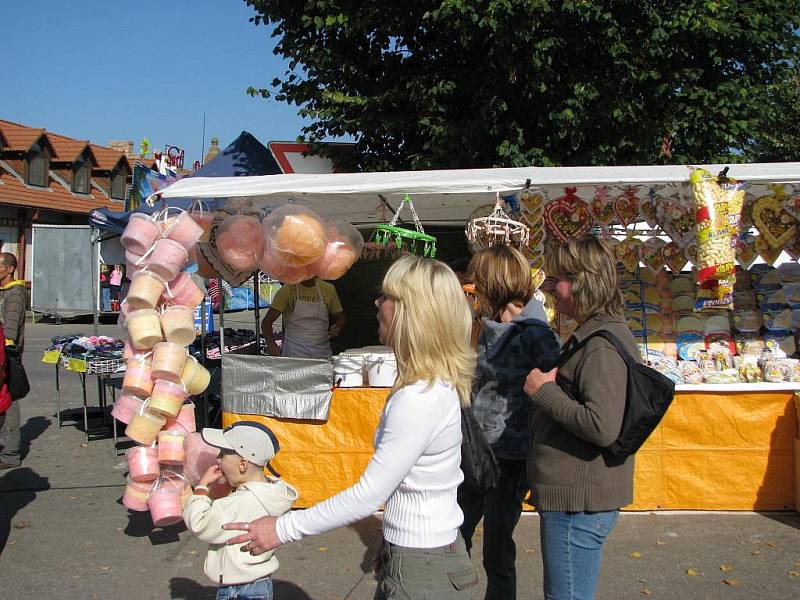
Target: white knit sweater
x,y
414,472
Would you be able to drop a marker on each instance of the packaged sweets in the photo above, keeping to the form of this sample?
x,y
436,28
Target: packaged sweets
x,y
747,320
791,292
749,344
792,369
774,370
789,272
749,371
726,376
715,255
777,320
690,372
783,340
715,293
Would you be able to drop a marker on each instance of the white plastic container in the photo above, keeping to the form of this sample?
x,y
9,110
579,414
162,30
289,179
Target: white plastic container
x,y
348,370
381,369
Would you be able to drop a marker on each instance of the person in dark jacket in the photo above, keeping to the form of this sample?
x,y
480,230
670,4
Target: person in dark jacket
x,y
514,338
577,492
13,306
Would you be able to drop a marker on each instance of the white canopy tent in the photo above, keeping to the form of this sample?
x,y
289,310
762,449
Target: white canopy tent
x,y
445,197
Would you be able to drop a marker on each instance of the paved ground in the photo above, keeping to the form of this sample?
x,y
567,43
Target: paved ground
x,y
63,533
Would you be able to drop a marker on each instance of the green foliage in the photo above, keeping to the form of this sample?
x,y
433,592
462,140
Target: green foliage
x,y
481,83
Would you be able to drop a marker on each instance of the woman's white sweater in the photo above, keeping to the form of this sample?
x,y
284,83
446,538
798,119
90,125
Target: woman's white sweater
x,y
414,472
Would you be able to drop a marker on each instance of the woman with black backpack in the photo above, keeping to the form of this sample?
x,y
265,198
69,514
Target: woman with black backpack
x,y
577,412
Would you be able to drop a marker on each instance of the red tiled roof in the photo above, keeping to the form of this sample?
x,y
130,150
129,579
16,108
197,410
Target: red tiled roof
x,y
67,149
106,158
53,197
19,137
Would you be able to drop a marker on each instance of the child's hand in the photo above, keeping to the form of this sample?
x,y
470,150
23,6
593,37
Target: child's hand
x,y
212,474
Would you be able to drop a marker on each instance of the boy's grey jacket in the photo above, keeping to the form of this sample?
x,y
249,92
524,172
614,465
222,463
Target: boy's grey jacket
x,y
506,354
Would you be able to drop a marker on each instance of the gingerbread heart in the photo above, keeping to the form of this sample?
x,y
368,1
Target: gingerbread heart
x,y
774,223
652,254
792,202
676,218
674,257
626,206
568,217
628,253
532,202
691,252
766,250
746,252
648,206
602,207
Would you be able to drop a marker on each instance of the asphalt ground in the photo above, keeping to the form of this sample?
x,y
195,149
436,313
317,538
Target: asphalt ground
x,y
64,533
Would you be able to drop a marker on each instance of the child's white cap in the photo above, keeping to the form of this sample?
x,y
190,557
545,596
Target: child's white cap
x,y
251,440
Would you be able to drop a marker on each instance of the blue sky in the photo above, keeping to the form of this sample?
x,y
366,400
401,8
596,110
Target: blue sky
x,y
105,69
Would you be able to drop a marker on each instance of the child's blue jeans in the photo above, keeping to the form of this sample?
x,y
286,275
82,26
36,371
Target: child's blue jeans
x,y
260,589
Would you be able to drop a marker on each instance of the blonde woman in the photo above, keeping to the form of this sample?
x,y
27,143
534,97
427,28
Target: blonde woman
x,y
514,338
414,472
577,491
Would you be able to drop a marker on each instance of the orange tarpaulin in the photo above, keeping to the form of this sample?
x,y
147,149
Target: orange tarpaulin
x,y
712,451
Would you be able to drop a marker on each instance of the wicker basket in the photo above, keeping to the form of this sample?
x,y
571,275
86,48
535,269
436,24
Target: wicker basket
x,y
105,365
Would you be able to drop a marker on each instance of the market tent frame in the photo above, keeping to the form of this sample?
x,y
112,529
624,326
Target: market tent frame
x,y
446,197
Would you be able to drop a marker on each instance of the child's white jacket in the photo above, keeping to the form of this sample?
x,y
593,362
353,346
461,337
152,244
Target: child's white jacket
x,y
226,565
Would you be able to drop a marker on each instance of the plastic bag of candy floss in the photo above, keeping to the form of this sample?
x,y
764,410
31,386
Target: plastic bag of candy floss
x,y
715,255
295,236
341,252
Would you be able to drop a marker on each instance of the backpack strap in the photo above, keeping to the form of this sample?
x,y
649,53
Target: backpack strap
x,y
572,348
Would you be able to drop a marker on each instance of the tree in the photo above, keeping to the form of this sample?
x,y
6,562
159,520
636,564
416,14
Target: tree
x,y
460,83
776,137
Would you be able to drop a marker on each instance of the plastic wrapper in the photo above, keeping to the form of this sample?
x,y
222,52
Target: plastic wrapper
x,y
715,293
691,372
277,269
774,370
792,369
749,369
341,251
746,320
749,344
295,236
791,293
789,272
240,242
715,215
777,320
726,376
689,344
782,341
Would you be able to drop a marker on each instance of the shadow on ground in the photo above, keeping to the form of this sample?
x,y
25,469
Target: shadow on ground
x,y
19,489
371,534
189,589
33,428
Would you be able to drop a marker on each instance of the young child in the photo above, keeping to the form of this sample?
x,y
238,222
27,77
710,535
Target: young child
x,y
246,448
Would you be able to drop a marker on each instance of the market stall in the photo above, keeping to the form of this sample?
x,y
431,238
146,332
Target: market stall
x,y
719,447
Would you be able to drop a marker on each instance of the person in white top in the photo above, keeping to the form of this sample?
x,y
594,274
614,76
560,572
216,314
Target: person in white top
x,y
415,471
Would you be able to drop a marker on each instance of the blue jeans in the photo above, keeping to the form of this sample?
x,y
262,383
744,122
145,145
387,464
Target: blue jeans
x,y
105,297
260,589
572,550
500,510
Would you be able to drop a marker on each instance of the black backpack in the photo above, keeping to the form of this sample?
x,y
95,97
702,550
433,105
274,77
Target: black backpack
x,y
477,459
649,395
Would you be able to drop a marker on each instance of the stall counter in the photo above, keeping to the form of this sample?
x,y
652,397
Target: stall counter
x,y
720,447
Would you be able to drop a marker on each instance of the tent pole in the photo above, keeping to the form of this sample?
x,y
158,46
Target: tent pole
x,y
257,305
203,330
221,337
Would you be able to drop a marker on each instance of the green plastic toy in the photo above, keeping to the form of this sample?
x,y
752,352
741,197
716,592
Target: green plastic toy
x,y
416,242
